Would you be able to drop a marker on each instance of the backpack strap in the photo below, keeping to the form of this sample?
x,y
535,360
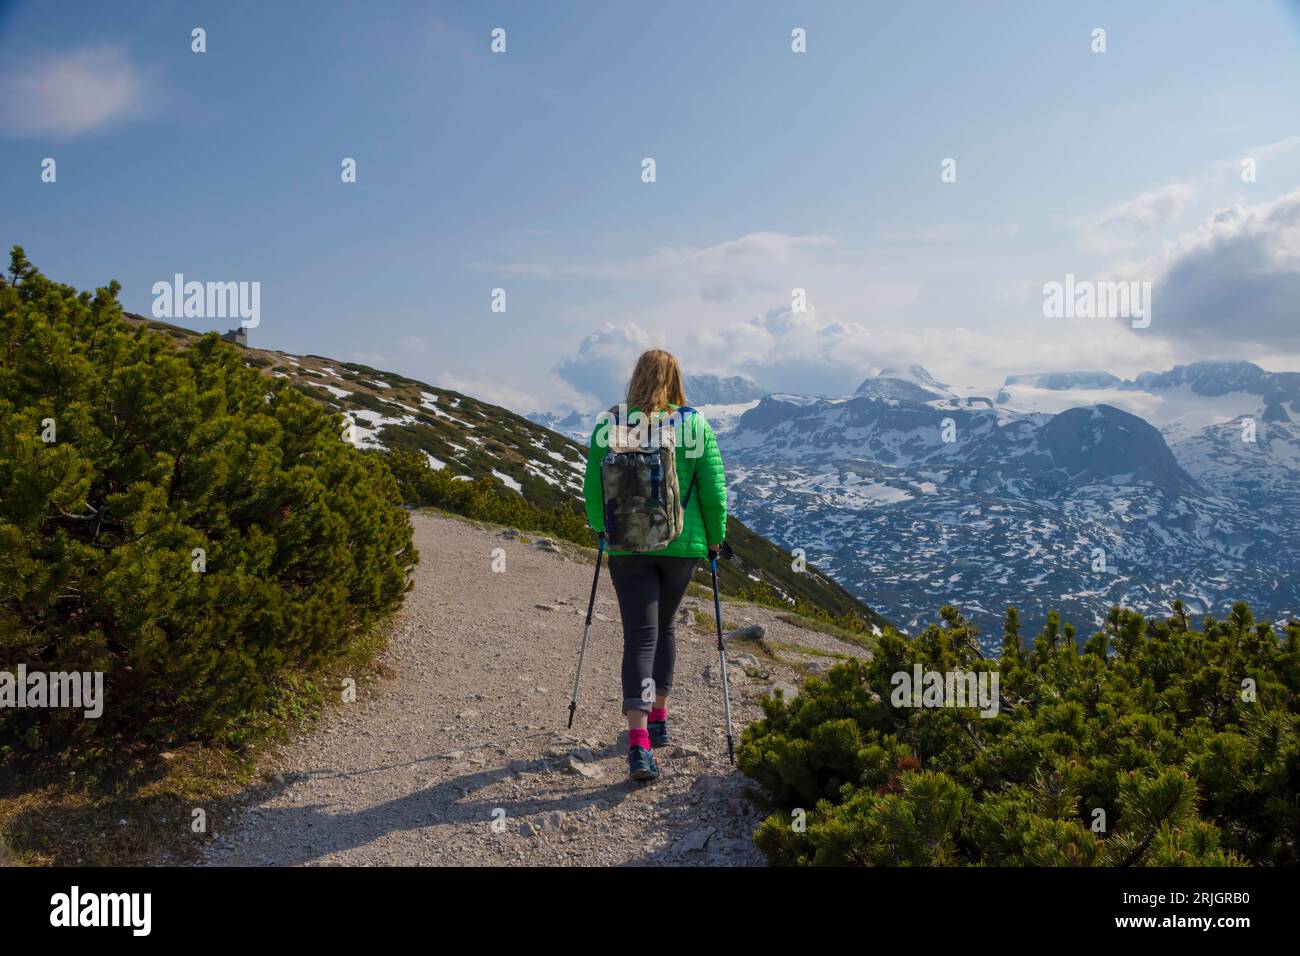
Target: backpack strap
x,y
686,502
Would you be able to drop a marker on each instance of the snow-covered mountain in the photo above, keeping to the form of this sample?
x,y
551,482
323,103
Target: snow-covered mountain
x,y
1067,490
575,425
1180,402
913,384
721,400
714,390
1071,491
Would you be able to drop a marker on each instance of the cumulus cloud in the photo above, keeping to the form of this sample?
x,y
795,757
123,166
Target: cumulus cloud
x,y
782,350
1233,283
809,354
1226,290
69,93
1131,224
785,351
600,370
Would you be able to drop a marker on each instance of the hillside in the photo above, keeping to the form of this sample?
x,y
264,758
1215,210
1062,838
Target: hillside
x,y
476,439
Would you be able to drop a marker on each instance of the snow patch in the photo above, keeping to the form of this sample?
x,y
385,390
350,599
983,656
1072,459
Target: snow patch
x,y
508,481
336,392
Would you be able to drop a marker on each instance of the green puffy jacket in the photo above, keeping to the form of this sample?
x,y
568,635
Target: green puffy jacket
x,y
705,520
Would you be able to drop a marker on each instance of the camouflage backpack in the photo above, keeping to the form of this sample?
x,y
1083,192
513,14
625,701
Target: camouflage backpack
x,y
643,505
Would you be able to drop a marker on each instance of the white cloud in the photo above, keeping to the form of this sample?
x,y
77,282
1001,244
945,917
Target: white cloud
x,y
1125,225
600,370
805,353
69,93
1135,222
808,354
1227,290
1233,284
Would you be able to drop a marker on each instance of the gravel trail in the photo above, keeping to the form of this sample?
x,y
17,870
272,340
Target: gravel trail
x,y
460,755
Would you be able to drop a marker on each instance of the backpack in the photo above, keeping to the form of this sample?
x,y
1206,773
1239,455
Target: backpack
x,y
643,507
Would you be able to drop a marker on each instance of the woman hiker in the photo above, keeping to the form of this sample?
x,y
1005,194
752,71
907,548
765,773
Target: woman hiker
x,y
672,524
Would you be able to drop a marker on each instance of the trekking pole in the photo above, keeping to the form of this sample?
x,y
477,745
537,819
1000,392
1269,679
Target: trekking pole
x,y
573,701
722,656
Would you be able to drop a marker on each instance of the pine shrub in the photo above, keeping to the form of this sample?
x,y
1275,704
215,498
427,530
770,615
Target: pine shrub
x,y
481,499
1154,744
194,530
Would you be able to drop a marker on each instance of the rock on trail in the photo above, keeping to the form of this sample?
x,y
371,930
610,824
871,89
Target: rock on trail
x,y
461,755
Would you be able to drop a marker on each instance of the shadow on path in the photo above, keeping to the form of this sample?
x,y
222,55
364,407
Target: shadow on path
x,y
303,834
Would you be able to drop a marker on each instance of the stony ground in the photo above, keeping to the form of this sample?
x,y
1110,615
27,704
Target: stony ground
x,y
461,755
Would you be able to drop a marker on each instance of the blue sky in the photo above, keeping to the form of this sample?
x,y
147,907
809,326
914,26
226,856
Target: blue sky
x,y
775,171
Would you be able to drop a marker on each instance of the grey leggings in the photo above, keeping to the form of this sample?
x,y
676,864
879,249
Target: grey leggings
x,y
650,587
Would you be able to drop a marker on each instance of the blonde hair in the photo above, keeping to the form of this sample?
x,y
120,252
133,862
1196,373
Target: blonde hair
x,y
656,382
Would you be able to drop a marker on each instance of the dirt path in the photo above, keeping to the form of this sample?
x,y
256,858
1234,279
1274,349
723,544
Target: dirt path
x,y
470,728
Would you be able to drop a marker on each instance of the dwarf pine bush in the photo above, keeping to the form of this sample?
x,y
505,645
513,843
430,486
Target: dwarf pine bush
x,y
171,518
1155,744
481,499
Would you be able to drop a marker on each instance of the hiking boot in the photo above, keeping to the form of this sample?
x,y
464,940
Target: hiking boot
x,y
658,730
641,764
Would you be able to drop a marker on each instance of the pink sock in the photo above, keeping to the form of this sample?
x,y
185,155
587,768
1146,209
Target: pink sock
x,y
658,715
638,737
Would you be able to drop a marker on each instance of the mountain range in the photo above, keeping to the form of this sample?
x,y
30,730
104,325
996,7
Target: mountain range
x,y
721,398
1069,491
